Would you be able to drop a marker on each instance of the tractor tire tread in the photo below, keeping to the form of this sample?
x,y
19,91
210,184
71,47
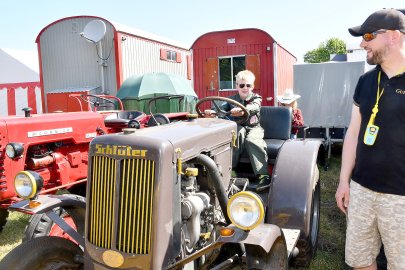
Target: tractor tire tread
x,y
38,225
3,218
48,251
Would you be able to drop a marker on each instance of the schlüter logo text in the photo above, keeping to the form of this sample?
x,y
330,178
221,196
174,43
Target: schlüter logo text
x,y
119,150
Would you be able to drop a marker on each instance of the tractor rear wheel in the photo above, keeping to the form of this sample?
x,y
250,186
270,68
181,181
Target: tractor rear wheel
x,y
307,246
3,218
44,253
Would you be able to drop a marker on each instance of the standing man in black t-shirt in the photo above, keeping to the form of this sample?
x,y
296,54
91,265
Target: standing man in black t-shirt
x,y
372,179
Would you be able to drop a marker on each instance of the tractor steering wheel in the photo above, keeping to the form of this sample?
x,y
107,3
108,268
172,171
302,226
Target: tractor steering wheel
x,y
220,112
86,98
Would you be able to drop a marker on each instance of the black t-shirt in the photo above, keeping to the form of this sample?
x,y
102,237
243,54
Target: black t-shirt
x,y
381,167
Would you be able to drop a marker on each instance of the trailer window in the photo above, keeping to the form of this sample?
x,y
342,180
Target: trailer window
x,y
228,68
171,55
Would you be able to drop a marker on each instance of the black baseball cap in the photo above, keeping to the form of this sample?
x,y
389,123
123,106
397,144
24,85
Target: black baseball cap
x,y
388,19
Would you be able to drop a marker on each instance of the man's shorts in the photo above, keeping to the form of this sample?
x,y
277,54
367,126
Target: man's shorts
x,y
373,217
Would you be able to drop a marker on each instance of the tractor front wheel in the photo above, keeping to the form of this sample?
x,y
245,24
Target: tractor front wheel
x,y
44,253
276,259
41,225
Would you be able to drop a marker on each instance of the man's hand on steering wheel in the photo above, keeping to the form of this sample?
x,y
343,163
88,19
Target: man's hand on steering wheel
x,y
237,112
210,113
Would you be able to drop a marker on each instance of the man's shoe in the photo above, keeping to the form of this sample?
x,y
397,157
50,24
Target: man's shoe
x,y
264,183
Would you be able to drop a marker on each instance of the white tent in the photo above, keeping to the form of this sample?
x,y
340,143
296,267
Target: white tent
x,y
18,66
19,82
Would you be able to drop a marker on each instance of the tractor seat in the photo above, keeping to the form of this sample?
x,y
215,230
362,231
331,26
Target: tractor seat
x,y
121,119
276,122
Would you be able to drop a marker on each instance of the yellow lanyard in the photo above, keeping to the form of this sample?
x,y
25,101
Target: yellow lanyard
x,y
375,108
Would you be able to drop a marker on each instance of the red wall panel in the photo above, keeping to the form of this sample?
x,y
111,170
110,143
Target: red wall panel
x,y
242,42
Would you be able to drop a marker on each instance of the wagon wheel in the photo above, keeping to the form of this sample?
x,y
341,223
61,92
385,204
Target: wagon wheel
x,y
220,112
50,253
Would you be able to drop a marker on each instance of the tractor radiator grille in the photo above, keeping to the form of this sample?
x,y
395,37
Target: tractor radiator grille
x,y
135,206
132,232
102,197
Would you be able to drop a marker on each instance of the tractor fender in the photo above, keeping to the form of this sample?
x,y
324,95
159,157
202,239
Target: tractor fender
x,y
264,235
48,202
295,176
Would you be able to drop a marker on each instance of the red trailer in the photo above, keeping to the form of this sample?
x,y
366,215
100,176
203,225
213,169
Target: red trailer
x,y
219,56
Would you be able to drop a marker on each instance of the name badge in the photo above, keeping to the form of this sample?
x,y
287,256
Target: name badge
x,y
371,134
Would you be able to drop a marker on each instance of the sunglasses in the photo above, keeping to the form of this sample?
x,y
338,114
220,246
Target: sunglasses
x,y
371,36
248,85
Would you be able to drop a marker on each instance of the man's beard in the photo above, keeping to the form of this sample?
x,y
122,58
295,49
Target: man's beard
x,y
378,57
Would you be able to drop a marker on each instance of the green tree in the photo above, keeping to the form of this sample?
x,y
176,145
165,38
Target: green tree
x,y
325,49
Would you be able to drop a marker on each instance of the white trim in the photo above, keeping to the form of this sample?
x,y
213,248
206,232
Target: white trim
x,y
4,102
21,99
38,99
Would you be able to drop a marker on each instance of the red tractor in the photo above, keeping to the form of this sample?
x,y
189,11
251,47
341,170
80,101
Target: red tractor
x,y
55,145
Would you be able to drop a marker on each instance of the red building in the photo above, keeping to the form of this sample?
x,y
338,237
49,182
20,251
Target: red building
x,y
219,56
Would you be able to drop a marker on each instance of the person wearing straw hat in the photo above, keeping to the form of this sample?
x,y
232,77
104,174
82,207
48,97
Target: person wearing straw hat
x,y
250,133
289,99
371,191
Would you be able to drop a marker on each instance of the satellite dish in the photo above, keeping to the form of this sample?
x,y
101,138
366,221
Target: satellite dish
x,y
94,31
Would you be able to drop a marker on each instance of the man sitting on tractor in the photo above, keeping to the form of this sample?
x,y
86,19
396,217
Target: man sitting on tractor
x,y
250,133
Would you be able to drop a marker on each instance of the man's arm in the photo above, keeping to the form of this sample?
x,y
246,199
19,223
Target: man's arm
x,y
253,107
348,159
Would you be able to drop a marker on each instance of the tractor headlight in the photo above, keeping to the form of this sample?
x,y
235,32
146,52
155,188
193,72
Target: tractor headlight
x,y
28,184
14,150
246,210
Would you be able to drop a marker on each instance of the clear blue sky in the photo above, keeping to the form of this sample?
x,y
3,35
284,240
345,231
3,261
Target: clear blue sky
x,y
298,25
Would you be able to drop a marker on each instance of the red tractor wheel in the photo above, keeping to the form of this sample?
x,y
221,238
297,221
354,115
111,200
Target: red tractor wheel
x,y
41,225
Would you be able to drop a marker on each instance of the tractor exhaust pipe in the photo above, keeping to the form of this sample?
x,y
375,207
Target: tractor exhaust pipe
x,y
36,163
216,181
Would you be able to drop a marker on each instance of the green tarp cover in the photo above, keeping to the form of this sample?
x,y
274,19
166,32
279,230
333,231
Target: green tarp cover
x,y
137,91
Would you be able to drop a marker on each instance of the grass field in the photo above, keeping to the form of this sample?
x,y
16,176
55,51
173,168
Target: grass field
x,y
330,254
